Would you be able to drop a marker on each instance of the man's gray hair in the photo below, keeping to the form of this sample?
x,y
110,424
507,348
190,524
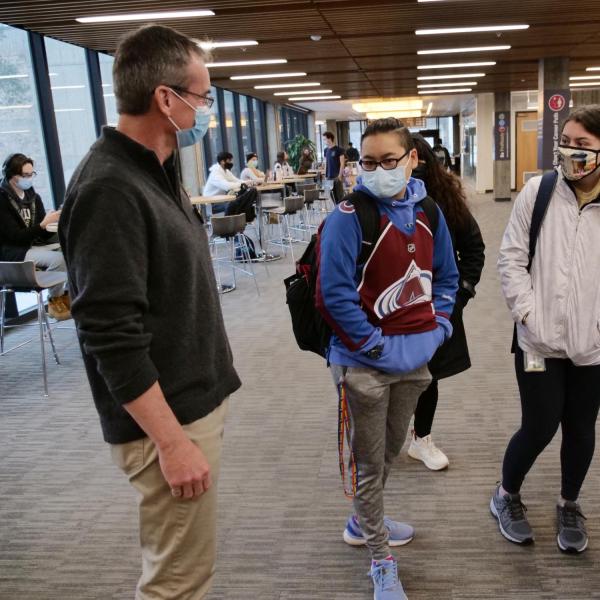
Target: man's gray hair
x,y
151,56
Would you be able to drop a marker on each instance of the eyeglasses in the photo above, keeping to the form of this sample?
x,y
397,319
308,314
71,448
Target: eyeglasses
x,y
208,100
28,175
387,164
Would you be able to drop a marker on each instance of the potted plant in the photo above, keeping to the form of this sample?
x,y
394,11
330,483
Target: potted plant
x,y
294,148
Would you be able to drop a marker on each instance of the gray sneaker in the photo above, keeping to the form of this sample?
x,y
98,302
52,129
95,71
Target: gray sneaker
x,y
572,536
510,513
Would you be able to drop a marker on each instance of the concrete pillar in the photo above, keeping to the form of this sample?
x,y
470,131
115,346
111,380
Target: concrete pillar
x,y
331,125
502,127
343,128
484,175
553,107
273,127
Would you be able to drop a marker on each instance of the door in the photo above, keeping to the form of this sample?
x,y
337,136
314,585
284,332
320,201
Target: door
x,y
526,147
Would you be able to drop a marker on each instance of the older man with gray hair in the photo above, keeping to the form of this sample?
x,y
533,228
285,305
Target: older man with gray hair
x,y
147,311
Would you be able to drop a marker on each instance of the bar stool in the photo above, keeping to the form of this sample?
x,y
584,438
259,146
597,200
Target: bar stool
x,y
291,206
22,277
231,230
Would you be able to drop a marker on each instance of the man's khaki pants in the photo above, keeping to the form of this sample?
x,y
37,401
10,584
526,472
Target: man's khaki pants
x,y
178,537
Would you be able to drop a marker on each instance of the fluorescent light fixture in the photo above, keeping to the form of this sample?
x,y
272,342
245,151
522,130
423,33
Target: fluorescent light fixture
x,y
453,84
458,65
456,91
269,76
15,106
463,76
238,44
445,30
462,50
304,92
319,122
284,85
20,76
429,107
244,63
149,16
297,99
593,69
584,77
586,84
68,87
403,114
69,110
393,105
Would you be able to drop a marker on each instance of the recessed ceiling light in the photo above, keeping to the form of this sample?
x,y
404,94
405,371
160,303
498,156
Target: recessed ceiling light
x,y
284,85
593,69
453,84
239,44
394,105
470,29
149,16
303,92
269,76
457,65
244,63
586,84
463,76
400,114
297,99
457,90
315,37
461,50
584,77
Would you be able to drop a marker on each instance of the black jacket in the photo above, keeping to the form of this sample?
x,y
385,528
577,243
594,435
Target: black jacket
x,y
453,355
16,238
143,290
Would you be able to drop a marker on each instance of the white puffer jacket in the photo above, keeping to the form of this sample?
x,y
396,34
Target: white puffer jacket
x,y
562,292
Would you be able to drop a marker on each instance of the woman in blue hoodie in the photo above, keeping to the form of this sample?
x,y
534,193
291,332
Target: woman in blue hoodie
x,y
388,316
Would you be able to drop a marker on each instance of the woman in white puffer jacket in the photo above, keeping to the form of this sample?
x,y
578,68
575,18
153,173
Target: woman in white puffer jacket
x,y
556,308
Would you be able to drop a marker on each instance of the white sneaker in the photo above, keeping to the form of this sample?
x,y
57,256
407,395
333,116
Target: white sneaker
x,y
426,451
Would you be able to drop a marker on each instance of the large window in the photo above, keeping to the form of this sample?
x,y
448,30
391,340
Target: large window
x,y
20,125
293,123
245,127
231,131
108,92
72,102
259,134
213,142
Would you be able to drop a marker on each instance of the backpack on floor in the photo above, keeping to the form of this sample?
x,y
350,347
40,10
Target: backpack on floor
x,y
311,331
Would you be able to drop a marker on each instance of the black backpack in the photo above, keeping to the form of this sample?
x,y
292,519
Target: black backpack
x,y
542,200
311,331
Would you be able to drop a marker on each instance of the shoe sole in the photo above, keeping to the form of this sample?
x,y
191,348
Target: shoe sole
x,y
525,542
570,549
354,541
428,465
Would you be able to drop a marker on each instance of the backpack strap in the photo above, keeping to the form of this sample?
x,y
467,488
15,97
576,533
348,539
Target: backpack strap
x,y
542,200
369,220
431,210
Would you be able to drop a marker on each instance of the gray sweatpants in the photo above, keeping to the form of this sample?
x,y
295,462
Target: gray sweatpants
x,y
380,407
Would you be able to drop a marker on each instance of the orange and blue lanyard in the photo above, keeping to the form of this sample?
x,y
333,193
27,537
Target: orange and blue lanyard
x,y
344,433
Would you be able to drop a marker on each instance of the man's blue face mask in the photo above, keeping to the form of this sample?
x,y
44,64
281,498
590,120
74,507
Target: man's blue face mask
x,y
193,135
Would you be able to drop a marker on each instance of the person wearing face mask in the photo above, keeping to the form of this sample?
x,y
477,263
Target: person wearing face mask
x,y
554,301
147,311
251,173
221,180
388,316
23,228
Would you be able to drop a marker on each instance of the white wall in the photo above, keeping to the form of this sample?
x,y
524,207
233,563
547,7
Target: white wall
x,y
484,179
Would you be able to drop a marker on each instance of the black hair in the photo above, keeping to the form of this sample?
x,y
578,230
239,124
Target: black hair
x,y
387,126
281,157
224,156
13,164
588,116
329,136
250,156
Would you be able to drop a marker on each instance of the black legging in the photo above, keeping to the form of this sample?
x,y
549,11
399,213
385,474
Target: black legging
x,y
564,395
426,410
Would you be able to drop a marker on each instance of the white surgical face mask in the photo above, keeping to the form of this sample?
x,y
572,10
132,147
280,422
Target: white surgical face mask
x,y
385,183
25,183
194,134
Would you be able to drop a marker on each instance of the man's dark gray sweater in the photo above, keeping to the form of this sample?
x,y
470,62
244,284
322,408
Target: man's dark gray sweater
x,y
142,286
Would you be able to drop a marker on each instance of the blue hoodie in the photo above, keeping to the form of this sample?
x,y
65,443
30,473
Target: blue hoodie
x,y
339,277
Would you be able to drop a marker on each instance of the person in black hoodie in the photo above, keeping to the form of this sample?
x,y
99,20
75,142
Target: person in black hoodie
x,y
23,228
453,356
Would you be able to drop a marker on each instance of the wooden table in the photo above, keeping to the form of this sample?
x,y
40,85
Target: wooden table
x,y
204,200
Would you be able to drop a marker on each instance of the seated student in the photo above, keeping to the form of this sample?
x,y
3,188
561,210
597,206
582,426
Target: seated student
x,y
282,168
251,172
221,180
306,161
23,228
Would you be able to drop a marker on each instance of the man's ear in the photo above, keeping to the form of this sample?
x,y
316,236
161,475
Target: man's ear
x,y
414,159
164,99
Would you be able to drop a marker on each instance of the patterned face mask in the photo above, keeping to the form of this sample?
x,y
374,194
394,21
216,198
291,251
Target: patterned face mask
x,y
577,163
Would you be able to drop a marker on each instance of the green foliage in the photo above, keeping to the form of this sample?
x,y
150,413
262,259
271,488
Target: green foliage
x,y
295,147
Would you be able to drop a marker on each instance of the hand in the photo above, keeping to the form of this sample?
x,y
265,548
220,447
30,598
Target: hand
x,y
51,217
185,469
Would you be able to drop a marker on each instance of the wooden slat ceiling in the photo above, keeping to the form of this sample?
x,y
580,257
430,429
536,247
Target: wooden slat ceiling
x,y
368,47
